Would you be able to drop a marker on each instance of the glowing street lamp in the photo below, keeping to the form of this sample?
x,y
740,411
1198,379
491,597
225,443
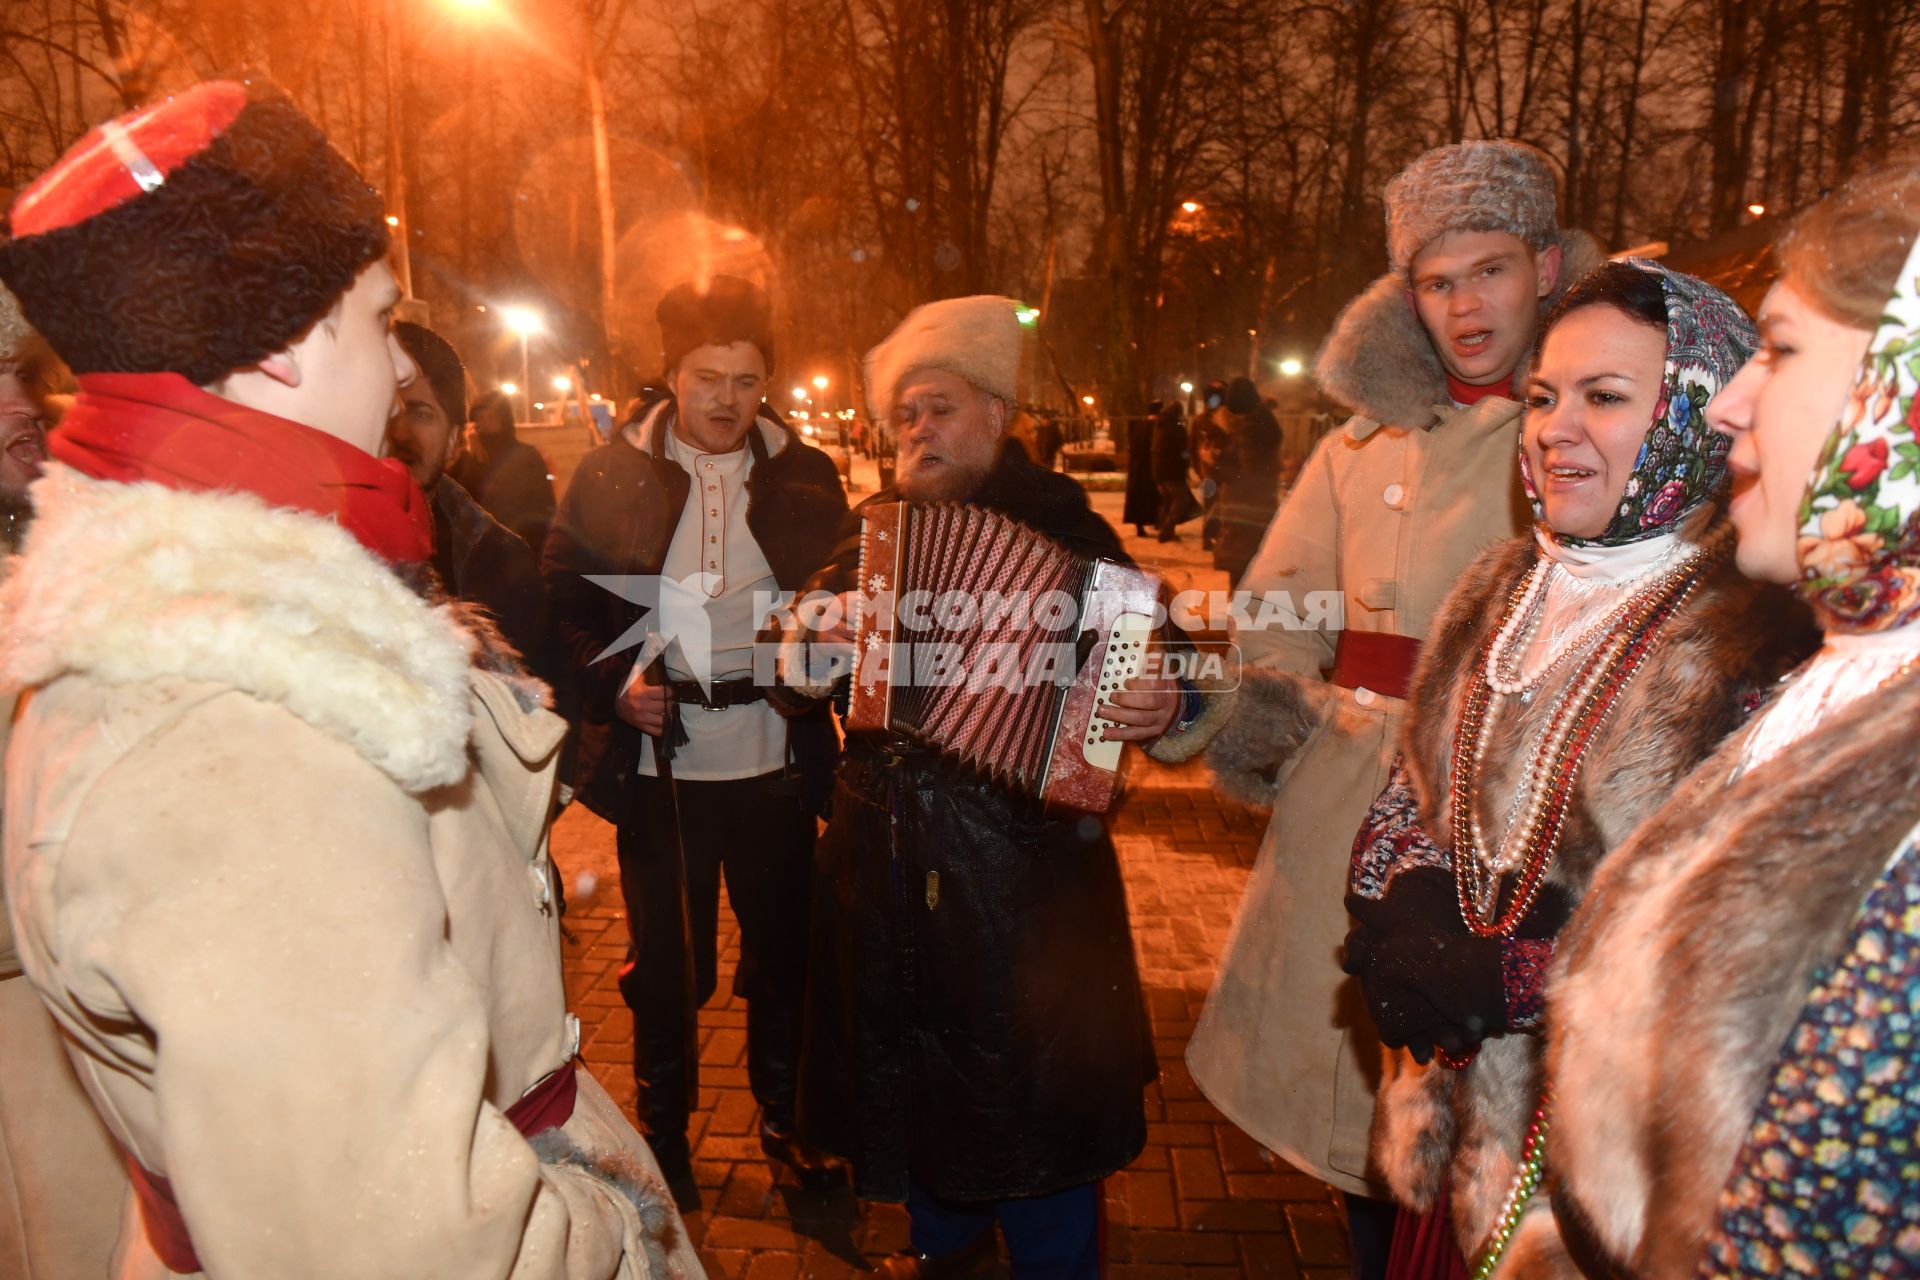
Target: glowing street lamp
x,y
1757,210
563,384
509,389
799,393
524,321
1190,206
1291,368
1087,401
820,382
1186,388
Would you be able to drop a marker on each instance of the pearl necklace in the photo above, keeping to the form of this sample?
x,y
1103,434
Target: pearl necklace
x,y
1506,670
1546,782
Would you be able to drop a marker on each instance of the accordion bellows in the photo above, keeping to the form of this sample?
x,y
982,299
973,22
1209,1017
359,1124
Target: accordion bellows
x,y
995,645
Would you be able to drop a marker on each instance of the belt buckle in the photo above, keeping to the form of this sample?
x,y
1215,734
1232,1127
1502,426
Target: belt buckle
x,y
707,698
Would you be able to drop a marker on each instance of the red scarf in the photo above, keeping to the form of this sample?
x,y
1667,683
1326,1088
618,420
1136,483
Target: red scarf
x,y
125,427
1468,394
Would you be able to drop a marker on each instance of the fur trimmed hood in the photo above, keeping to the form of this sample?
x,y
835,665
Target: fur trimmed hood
x,y
1379,361
127,583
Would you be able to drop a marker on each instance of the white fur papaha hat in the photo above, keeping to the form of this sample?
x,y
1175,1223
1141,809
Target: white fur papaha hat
x,y
977,338
1471,186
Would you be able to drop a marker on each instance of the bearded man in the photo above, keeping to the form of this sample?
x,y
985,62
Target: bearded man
x,y
275,819
977,1040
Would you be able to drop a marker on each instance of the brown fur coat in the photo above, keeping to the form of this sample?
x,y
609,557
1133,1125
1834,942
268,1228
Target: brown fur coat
x,y
1682,975
1733,641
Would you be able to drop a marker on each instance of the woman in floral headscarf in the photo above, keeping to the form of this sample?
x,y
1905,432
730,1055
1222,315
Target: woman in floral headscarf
x,y
1734,1049
1572,679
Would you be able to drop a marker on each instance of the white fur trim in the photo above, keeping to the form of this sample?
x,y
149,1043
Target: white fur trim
x,y
977,338
127,583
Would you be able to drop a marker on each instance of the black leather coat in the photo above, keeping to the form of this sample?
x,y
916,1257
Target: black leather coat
x,y
618,518
975,1019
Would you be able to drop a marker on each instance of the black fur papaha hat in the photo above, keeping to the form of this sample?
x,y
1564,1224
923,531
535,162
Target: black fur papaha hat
x,y
194,236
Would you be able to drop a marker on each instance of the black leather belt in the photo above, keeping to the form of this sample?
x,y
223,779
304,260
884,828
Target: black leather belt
x,y
719,695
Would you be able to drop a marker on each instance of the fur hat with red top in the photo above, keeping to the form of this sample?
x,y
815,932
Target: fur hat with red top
x,y
194,236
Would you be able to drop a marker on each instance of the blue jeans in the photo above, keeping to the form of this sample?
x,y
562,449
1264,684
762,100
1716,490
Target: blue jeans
x,y
1056,1237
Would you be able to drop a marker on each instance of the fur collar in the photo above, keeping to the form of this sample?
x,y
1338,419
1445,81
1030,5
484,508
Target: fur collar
x,y
1379,361
129,583
1682,975
1733,641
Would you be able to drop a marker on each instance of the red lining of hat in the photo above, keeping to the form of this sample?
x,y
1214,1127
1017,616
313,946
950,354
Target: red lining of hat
x,y
93,179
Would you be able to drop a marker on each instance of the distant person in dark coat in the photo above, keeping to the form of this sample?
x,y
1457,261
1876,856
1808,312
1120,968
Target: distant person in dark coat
x,y
1051,438
1170,471
1142,506
1249,476
504,474
477,558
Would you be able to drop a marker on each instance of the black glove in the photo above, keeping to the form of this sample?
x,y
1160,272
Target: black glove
x,y
1425,991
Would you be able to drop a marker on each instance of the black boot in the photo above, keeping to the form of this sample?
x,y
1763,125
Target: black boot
x,y
773,1053
661,1071
779,1140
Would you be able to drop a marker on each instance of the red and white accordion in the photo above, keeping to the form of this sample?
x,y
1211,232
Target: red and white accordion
x,y
994,644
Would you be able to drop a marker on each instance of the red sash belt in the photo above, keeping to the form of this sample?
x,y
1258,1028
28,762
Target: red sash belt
x,y
1376,660
548,1105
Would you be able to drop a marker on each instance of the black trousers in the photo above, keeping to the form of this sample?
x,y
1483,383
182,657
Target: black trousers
x,y
759,834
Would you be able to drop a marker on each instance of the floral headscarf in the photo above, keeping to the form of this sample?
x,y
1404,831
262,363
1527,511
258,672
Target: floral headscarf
x,y
1860,521
1682,463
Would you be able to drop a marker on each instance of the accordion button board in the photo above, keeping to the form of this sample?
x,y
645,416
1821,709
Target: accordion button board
x,y
990,642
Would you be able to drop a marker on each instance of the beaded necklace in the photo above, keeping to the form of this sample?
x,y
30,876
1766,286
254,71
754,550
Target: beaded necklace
x,y
1593,691
1533,1167
1506,670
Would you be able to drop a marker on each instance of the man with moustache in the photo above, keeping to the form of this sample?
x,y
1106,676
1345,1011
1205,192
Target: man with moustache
x,y
1384,516
977,1039
478,558
702,506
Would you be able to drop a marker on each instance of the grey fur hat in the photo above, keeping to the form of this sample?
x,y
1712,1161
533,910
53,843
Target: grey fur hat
x,y
1471,186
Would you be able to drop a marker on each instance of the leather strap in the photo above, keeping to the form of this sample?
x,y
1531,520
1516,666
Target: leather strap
x,y
719,695
1376,660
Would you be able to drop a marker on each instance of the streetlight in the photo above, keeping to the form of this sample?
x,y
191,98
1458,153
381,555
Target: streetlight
x,y
1757,210
524,321
1190,206
1087,401
799,393
563,384
820,382
1291,368
1186,388
509,389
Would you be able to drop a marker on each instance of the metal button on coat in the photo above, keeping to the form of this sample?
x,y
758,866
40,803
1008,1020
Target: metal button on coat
x,y
1364,696
1395,495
